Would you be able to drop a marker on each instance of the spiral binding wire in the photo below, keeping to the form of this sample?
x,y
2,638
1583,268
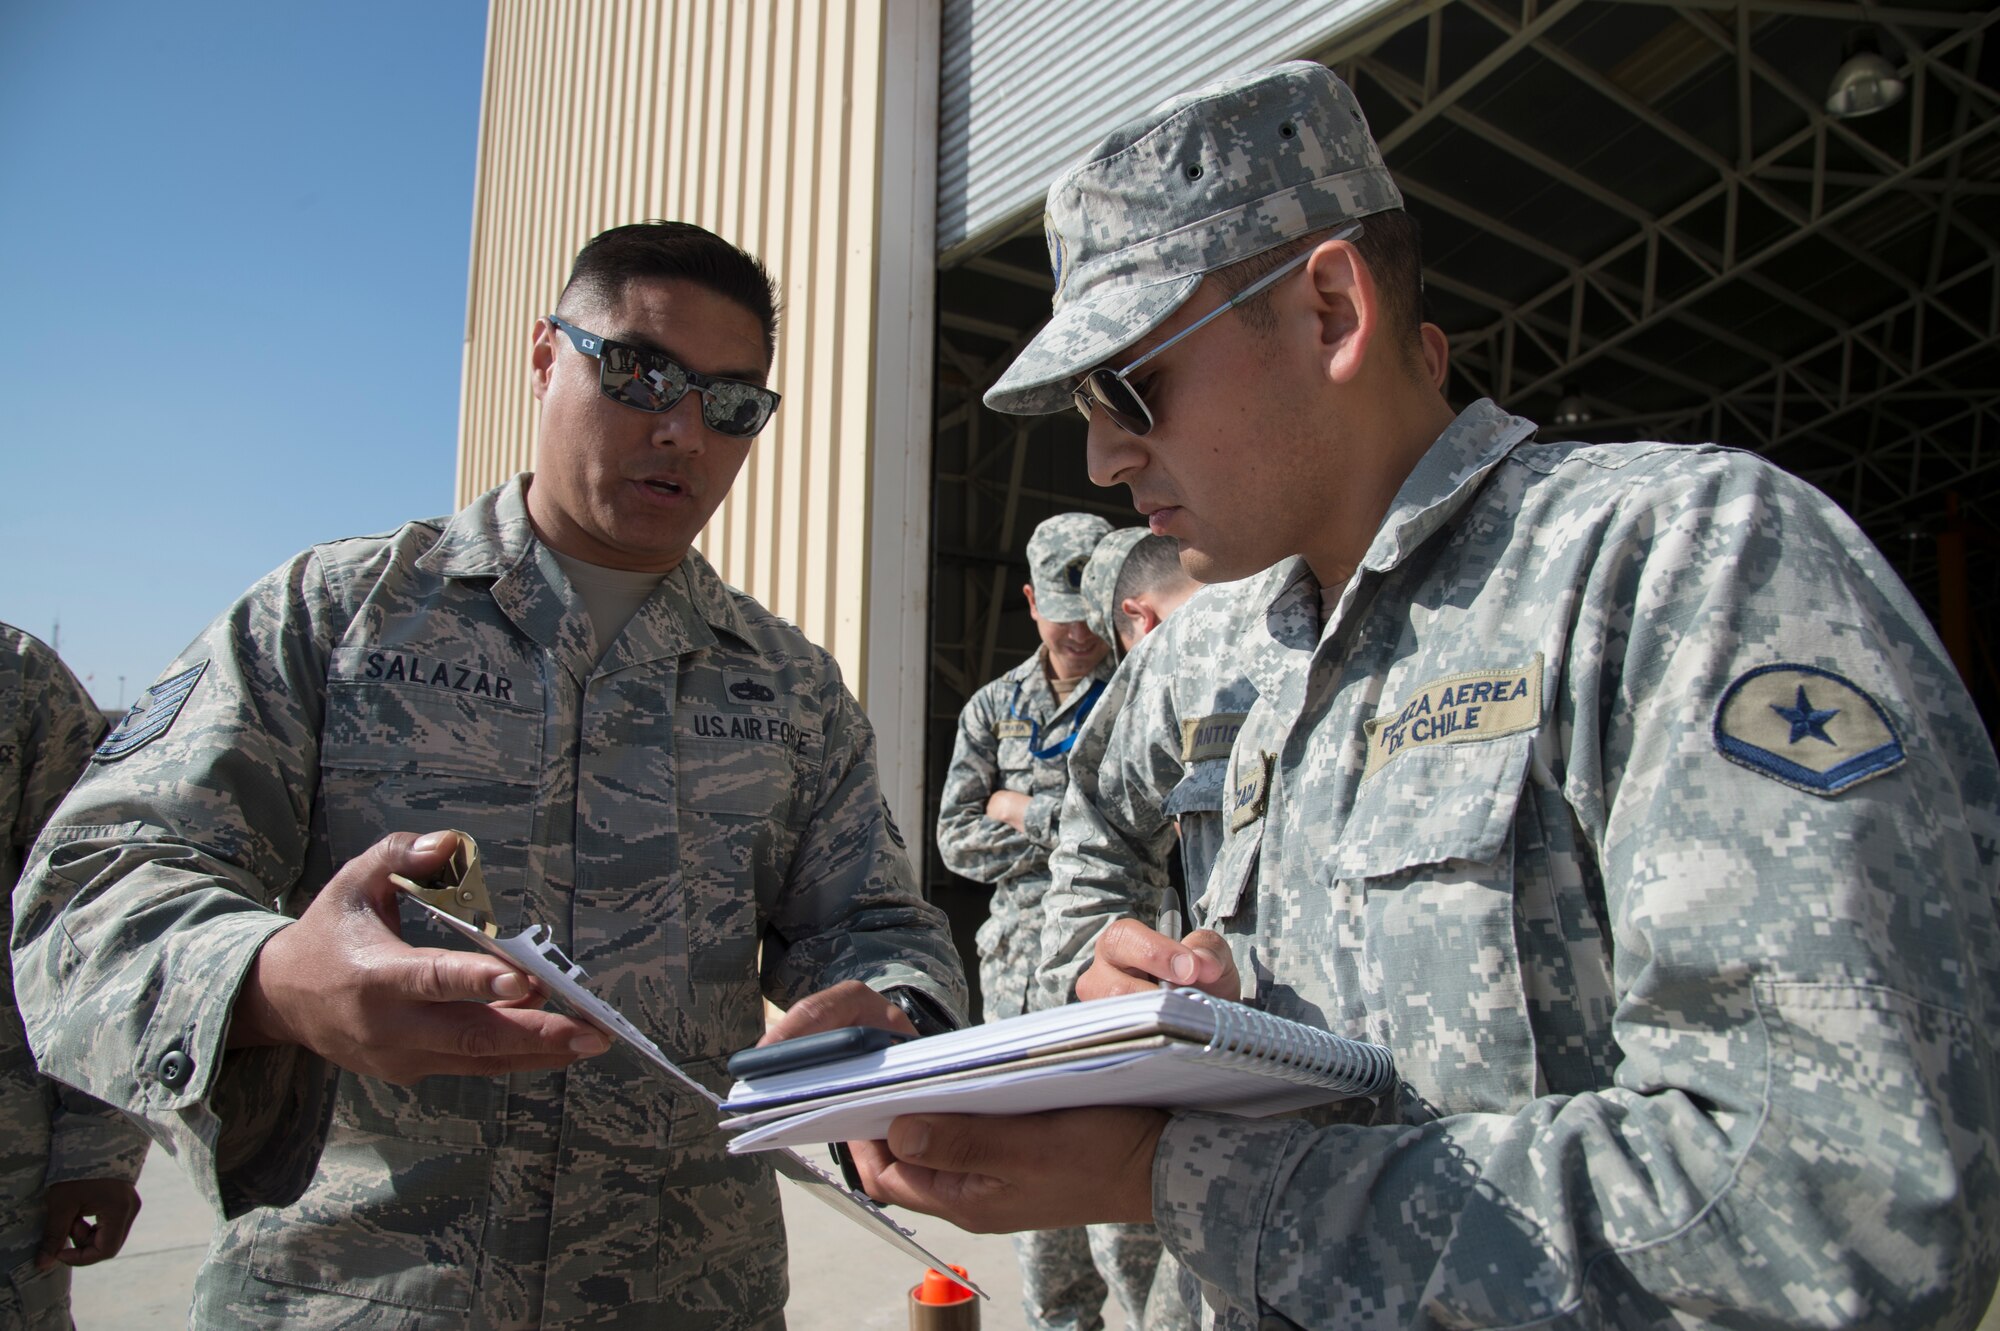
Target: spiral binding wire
x,y
1295,1052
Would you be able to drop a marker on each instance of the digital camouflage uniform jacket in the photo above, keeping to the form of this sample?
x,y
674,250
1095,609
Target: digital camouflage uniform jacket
x,y
1628,798
708,787
995,729
1154,752
48,1132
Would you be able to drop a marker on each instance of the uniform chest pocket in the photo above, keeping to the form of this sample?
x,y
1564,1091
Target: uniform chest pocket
x,y
1427,859
1227,891
1018,767
1433,806
1195,804
411,759
1199,790
406,728
738,801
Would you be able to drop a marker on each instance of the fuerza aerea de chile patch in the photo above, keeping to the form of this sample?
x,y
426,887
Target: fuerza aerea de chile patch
x,y
1476,705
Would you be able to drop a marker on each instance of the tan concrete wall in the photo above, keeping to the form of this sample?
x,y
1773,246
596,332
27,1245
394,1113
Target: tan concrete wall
x,y
805,131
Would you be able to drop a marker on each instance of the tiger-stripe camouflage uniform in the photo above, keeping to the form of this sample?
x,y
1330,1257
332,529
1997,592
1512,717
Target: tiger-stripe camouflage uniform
x,y
1628,798
48,1132
1155,754
704,791
1015,734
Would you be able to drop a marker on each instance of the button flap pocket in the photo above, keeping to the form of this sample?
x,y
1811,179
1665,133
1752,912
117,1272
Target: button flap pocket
x,y
379,728
751,777
1450,802
1200,791
1235,865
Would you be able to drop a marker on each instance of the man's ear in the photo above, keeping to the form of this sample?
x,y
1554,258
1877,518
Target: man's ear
x,y
1141,613
1437,354
1346,307
1028,590
542,358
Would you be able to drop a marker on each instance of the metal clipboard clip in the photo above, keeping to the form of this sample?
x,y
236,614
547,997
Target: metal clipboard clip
x,y
458,889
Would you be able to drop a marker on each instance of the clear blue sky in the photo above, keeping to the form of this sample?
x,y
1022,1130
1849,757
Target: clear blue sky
x,y
233,244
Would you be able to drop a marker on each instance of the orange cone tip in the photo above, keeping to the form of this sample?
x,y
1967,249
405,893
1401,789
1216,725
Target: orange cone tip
x,y
939,1288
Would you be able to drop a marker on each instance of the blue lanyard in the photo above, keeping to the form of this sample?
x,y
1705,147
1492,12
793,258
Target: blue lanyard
x,y
1035,727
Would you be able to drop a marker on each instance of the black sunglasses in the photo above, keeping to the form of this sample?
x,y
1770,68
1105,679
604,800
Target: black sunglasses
x,y
1107,390
649,381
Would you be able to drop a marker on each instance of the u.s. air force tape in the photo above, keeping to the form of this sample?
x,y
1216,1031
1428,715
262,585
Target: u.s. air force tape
x,y
1811,729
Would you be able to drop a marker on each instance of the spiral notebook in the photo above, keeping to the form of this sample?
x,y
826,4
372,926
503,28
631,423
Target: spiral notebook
x,y
1167,1048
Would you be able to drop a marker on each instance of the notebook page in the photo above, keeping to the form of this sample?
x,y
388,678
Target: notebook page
x,y
1172,1076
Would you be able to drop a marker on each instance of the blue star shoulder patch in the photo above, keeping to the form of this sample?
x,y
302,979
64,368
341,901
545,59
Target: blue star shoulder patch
x,y
1809,728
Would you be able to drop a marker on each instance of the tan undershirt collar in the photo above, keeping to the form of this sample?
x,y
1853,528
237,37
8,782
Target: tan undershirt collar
x,y
1062,687
611,596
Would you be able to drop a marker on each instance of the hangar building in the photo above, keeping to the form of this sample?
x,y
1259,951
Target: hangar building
x,y
1641,220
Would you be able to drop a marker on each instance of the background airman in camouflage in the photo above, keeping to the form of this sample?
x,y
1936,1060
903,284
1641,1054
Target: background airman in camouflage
x,y
63,1155
1621,791
1147,771
1133,585
1009,768
996,824
1099,585
672,779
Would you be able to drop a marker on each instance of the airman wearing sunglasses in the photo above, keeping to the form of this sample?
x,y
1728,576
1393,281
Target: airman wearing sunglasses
x,y
666,775
1620,790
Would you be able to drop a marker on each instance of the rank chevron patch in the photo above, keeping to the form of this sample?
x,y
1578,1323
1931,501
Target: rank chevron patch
x,y
151,715
1809,728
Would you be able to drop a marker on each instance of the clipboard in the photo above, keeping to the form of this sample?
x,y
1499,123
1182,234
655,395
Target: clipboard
x,y
533,952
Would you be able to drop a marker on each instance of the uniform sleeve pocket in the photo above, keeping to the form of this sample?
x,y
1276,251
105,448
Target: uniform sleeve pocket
x,y
1431,806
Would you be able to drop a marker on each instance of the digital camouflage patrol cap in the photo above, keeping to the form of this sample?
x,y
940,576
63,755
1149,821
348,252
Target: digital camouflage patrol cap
x,y
1100,583
1057,554
1205,180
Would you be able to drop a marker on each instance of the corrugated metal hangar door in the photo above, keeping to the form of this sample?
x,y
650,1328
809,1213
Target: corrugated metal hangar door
x,y
1640,220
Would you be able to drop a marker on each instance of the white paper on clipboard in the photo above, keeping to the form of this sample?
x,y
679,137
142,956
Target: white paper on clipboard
x,y
534,952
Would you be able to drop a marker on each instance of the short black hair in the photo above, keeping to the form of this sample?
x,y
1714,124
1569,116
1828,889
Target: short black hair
x,y
1152,565
678,250
1390,243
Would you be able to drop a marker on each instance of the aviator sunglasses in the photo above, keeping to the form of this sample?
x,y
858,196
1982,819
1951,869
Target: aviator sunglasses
x,y
1108,390
649,381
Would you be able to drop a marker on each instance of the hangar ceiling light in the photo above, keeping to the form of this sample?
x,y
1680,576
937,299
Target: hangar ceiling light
x,y
1865,82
